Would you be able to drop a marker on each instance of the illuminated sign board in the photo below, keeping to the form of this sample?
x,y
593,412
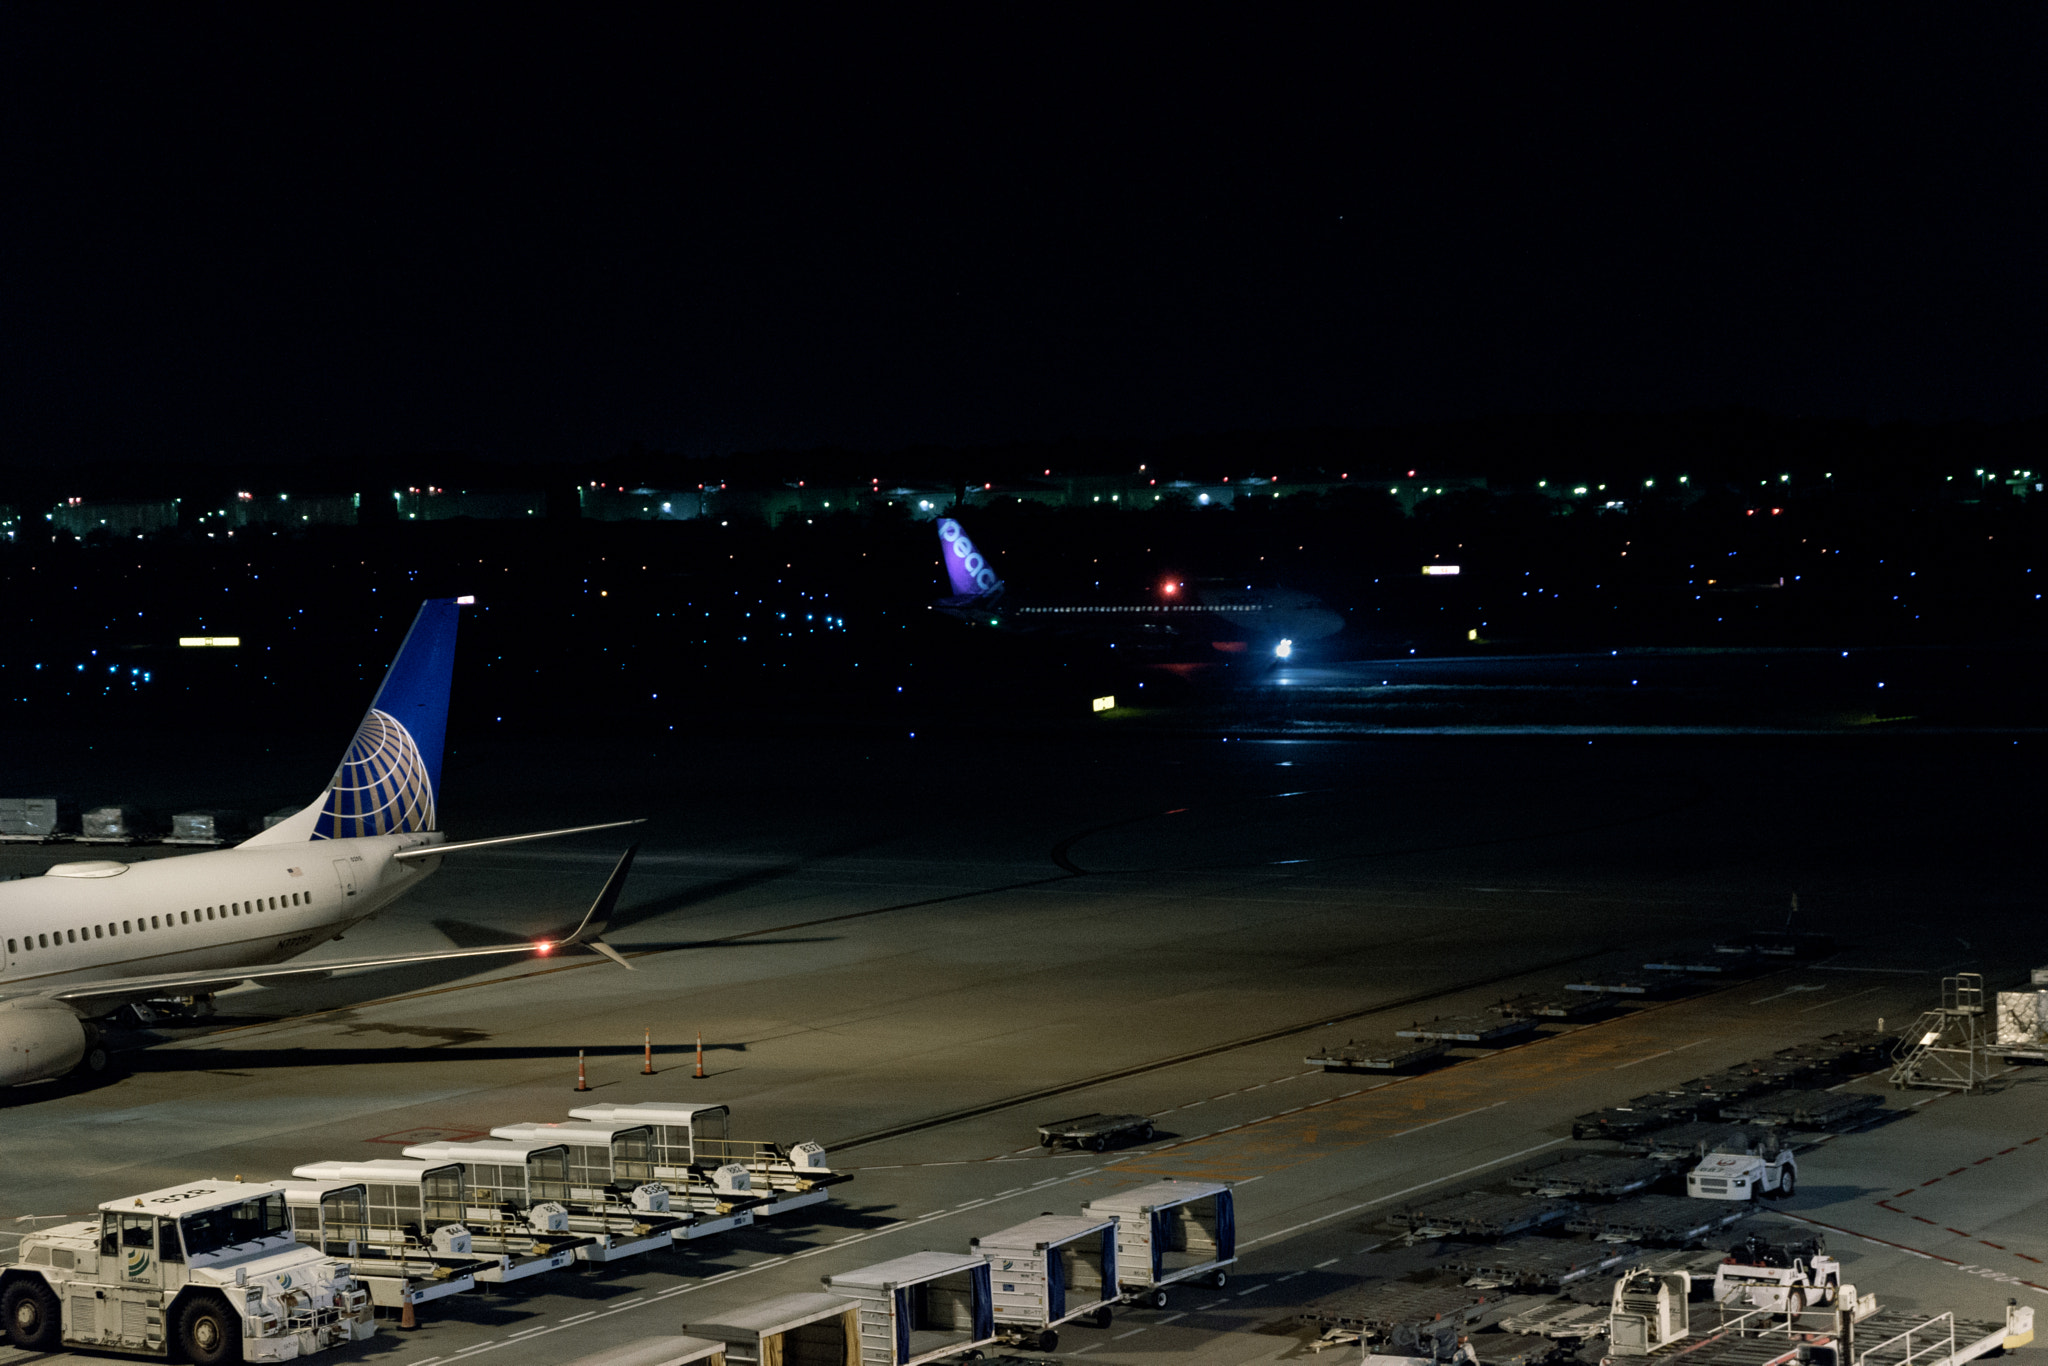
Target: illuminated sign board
x,y
201,642
1103,703
1439,569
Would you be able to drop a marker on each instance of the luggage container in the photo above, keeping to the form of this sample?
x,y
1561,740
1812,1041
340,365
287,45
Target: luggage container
x,y
1169,1232
1048,1271
690,1140
207,827
920,1308
400,1272
1095,1132
420,1199
115,825
37,820
610,1171
531,1176
659,1351
808,1329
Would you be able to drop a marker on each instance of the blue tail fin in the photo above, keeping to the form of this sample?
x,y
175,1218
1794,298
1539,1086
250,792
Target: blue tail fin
x,y
388,780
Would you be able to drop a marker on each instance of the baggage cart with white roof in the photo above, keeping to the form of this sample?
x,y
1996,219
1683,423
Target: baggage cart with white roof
x,y
427,1204
1168,1232
658,1351
208,1270
810,1328
691,1139
611,1166
401,1272
1048,1271
920,1308
531,1176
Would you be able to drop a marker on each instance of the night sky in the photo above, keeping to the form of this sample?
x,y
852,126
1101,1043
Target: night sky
x,y
268,234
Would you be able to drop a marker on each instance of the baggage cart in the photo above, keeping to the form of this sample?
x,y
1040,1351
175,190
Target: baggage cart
x,y
1048,1271
1094,1132
1481,1214
1397,1319
1694,1140
1657,1220
1824,1110
693,1138
1391,1056
1587,1174
1555,1005
1531,1264
533,1175
424,1201
807,1329
610,1171
1479,1029
920,1308
1169,1232
400,1272
659,1351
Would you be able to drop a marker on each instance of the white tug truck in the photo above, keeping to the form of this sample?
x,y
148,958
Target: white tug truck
x,y
1742,1176
1785,1278
209,1271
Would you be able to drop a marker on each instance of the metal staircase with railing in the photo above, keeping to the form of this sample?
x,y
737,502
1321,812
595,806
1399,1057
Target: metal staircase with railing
x,y
1947,1047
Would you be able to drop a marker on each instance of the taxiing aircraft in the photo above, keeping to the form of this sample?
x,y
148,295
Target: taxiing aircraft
x,y
87,938
1266,621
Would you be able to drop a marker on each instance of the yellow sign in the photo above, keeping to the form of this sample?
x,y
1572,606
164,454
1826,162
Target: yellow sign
x,y
198,642
1103,703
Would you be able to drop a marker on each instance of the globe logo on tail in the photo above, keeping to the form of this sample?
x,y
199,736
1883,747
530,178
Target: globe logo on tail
x,y
382,786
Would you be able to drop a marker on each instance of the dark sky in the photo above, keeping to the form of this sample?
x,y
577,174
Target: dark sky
x,y
251,233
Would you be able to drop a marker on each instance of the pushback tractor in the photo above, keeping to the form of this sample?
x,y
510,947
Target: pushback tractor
x,y
209,1271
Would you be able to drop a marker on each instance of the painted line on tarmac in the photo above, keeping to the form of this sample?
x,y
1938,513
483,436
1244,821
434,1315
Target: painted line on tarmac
x,y
1445,1120
1969,1267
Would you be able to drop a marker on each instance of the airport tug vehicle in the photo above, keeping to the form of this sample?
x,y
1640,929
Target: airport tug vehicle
x,y
1742,1176
1048,1271
691,1148
1168,1233
209,1271
1784,1277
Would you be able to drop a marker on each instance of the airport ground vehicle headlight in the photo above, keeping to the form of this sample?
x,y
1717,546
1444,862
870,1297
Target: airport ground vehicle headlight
x,y
1283,650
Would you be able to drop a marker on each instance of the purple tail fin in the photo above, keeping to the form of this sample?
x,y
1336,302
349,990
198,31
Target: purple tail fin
x,y
972,575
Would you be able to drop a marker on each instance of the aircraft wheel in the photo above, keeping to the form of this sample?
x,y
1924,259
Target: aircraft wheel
x,y
33,1316
209,1332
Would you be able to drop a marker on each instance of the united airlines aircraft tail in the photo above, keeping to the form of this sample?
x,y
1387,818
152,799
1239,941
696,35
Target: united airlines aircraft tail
x,y
389,777
973,577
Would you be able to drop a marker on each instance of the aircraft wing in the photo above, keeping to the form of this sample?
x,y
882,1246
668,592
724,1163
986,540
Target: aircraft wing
x,y
106,993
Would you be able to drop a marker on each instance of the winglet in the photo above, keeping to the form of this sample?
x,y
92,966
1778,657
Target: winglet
x,y
599,916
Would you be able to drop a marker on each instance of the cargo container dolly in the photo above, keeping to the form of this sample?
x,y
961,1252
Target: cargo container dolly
x,y
611,1166
526,1178
427,1205
690,1144
1094,1132
1048,1271
1167,1233
208,1270
401,1272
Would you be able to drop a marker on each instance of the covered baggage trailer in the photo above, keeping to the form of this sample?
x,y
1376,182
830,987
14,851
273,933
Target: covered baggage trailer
x,y
1048,1271
657,1351
920,1308
693,1139
1168,1232
611,1170
807,1329
533,1175
421,1198
400,1271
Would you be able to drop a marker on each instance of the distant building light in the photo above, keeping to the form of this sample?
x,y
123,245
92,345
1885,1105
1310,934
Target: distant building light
x,y
203,642
466,600
1103,703
1439,569
1284,649
1472,634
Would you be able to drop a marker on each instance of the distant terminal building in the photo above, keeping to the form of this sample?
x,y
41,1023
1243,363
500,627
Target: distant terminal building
x,y
82,519
10,522
283,511
609,503
440,505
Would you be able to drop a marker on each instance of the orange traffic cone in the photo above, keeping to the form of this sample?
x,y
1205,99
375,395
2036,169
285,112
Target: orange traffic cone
x,y
700,1055
647,1068
582,1081
405,1316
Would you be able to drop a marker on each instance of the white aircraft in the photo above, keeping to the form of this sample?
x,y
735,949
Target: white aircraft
x,y
85,939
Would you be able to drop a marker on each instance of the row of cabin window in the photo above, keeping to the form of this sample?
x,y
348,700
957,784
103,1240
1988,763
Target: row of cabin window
x,y
109,930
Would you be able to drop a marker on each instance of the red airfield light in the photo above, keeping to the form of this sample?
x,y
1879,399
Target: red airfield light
x,y
544,947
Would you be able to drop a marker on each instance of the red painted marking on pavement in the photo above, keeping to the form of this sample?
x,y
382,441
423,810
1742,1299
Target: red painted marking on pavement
x,y
1929,1222
2035,1260
1958,1232
2003,1151
1903,1247
1959,1171
1933,1180
1988,1243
